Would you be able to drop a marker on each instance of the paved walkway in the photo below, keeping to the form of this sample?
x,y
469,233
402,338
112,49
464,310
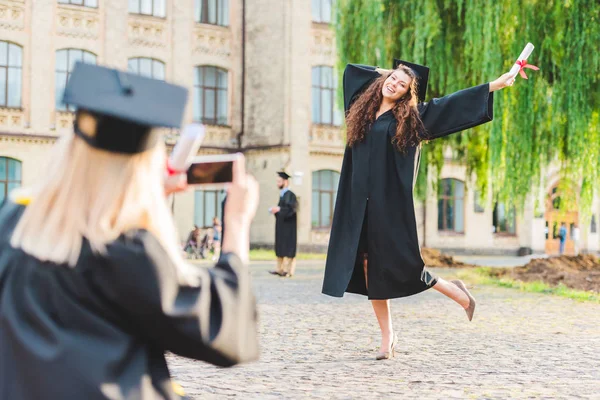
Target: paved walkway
x,y
518,346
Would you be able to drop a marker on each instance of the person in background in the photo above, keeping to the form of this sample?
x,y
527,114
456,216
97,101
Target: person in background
x,y
576,237
562,236
192,241
216,238
285,228
93,289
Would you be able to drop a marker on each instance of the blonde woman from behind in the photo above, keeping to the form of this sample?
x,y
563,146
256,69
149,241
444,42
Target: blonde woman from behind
x,y
93,290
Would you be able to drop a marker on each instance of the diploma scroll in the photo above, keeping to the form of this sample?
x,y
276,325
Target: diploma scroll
x,y
522,57
186,148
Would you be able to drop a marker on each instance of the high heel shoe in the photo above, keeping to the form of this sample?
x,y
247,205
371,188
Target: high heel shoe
x,y
471,309
386,355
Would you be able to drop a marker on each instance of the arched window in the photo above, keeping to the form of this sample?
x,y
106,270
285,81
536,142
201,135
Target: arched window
x,y
148,67
65,62
214,12
210,95
207,205
10,176
11,66
324,110
85,3
155,8
324,193
504,219
451,216
321,11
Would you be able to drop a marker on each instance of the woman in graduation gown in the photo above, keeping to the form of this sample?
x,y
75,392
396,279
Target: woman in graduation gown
x,y
93,289
374,248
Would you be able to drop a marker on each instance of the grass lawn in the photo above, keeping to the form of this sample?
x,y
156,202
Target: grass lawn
x,y
483,276
269,255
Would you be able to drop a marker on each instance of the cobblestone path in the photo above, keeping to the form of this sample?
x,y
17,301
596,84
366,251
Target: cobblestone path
x,y
519,345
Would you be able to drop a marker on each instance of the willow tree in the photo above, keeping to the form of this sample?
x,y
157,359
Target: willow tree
x,y
552,117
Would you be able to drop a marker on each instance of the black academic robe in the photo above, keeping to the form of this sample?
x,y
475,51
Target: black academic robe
x,y
374,210
286,226
100,330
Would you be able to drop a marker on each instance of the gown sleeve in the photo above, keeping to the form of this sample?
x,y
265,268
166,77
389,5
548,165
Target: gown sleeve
x,y
458,111
289,207
212,319
356,77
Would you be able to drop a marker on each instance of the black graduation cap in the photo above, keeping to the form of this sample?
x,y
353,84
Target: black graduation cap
x,y
283,175
422,73
125,107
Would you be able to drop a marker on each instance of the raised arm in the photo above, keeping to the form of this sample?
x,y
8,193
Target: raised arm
x,y
461,110
356,78
212,319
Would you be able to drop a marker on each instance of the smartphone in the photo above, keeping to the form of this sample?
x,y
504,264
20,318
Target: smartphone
x,y
211,170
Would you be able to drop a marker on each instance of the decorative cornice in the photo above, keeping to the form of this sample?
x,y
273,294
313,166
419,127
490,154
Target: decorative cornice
x,y
27,138
213,40
147,31
78,22
12,15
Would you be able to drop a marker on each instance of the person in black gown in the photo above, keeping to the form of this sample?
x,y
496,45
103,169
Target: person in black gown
x,y
374,248
286,227
93,290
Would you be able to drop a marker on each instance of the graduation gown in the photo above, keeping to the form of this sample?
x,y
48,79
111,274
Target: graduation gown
x,y
100,330
286,226
374,210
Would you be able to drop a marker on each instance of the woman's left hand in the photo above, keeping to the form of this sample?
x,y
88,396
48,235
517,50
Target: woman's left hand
x,y
176,184
505,80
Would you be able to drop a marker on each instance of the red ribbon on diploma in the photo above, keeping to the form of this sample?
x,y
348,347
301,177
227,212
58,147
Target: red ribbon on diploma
x,y
172,171
523,64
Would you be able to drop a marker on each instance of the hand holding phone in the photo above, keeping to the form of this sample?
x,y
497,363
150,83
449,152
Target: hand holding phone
x,y
214,170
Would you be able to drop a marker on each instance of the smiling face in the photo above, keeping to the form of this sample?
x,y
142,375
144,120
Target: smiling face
x,y
396,85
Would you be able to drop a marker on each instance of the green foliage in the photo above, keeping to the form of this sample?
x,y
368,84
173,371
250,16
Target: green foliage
x,y
552,117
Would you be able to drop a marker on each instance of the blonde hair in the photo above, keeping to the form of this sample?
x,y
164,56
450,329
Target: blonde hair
x,y
97,195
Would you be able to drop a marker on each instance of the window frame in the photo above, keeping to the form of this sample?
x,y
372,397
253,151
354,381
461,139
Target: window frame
x,y
6,182
201,9
319,191
336,115
70,3
320,18
152,14
69,71
218,198
8,68
507,211
442,196
153,60
214,119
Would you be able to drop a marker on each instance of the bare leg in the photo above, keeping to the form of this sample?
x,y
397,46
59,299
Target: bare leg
x,y
384,316
452,291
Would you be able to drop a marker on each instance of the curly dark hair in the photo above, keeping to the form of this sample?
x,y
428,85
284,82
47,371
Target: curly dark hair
x,y
361,115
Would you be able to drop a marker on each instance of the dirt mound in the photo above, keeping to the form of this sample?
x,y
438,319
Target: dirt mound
x,y
576,272
434,258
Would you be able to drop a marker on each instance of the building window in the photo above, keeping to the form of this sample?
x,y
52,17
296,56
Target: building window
x,y
324,85
10,176
504,219
207,205
593,227
478,208
147,67
155,8
214,12
322,11
65,62
11,64
210,95
451,197
85,3
324,192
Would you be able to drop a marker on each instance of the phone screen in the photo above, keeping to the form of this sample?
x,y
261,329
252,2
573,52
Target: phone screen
x,y
210,172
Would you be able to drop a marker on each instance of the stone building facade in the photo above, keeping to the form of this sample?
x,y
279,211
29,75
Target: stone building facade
x,y
262,79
